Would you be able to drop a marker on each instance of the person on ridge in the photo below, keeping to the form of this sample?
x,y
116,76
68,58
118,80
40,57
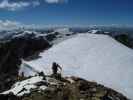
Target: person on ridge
x,y
55,67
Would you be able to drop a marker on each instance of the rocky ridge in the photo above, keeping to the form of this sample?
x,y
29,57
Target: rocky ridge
x,y
60,88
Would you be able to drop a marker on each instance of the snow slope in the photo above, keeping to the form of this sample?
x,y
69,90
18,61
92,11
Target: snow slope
x,y
93,57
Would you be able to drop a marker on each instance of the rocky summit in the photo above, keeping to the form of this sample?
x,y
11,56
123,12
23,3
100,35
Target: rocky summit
x,y
59,88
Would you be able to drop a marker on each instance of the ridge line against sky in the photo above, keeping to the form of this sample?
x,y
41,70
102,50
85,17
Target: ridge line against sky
x,y
10,25
66,12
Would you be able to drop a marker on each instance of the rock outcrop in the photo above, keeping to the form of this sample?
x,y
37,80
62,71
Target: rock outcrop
x,y
69,88
11,53
125,39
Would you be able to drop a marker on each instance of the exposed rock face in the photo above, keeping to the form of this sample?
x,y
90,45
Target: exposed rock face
x,y
12,51
125,39
70,88
52,36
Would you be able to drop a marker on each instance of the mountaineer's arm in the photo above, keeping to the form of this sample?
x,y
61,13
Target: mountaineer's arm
x,y
60,67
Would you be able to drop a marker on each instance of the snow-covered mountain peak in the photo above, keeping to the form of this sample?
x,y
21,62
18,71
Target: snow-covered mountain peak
x,y
94,31
94,57
24,33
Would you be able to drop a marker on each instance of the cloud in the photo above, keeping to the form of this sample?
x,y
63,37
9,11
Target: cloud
x,y
35,3
13,6
20,4
8,25
55,1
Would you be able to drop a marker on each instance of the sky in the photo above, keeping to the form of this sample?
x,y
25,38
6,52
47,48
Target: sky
x,y
66,12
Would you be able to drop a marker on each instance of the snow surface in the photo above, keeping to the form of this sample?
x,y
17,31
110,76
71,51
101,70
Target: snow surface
x,y
93,31
28,70
93,57
24,87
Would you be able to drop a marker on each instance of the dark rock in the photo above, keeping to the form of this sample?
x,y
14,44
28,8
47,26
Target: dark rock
x,y
11,53
41,83
125,39
9,97
51,37
79,90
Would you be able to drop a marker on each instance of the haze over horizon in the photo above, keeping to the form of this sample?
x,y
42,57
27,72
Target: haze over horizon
x,y
66,12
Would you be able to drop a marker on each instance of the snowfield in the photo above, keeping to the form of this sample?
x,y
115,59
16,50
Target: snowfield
x,y
93,57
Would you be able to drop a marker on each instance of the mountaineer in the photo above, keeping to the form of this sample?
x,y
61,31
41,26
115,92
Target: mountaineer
x,y
55,67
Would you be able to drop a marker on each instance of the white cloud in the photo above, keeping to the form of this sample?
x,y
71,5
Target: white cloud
x,y
7,25
35,3
12,6
10,25
16,5
55,1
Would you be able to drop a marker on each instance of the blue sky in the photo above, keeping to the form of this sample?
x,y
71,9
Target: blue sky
x,y
68,12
